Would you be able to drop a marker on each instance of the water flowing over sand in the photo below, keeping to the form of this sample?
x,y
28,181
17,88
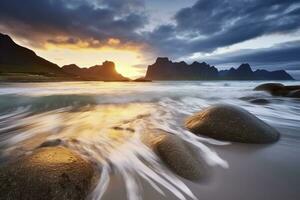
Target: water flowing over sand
x,y
106,123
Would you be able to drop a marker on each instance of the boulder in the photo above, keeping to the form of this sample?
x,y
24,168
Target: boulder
x,y
278,89
231,123
54,173
272,88
181,158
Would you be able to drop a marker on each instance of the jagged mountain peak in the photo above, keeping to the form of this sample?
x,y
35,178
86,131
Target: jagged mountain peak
x,y
164,69
244,67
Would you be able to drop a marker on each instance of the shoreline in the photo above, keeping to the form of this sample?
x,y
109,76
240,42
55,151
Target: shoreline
x,y
255,171
130,81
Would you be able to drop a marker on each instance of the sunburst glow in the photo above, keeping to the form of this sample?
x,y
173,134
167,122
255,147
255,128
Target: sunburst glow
x,y
126,58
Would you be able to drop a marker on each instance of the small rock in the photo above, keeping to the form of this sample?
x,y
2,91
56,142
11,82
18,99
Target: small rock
x,y
51,143
50,173
142,79
247,98
260,101
255,100
231,123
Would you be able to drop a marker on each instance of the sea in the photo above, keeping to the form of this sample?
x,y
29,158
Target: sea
x,y
106,121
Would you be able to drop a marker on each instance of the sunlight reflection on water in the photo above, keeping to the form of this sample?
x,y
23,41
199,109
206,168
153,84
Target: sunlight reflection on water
x,y
107,124
110,136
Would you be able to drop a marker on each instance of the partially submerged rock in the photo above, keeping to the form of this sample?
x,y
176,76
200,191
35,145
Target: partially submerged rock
x,y
260,101
294,94
255,100
272,88
142,79
231,123
51,143
54,173
292,87
278,89
180,158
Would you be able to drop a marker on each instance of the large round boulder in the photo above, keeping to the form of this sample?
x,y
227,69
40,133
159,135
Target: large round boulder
x,y
272,88
231,123
54,173
181,158
278,89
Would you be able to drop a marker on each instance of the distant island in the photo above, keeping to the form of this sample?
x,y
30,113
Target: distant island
x,y
18,63
164,69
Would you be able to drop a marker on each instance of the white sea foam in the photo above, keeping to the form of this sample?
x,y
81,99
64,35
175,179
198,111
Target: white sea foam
x,y
105,122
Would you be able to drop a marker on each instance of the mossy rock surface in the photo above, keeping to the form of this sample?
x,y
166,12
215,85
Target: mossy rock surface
x,y
231,123
52,173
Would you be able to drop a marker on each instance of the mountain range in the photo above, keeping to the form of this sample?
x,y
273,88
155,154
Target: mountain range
x,y
164,69
18,63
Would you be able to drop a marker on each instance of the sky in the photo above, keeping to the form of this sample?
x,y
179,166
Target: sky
x,y
132,33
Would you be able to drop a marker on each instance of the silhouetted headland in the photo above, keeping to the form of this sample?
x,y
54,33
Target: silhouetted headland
x,y
104,72
18,63
164,69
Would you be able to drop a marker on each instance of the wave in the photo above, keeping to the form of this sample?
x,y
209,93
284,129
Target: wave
x,y
111,136
106,124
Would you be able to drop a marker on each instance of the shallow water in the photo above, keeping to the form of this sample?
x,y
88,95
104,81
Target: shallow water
x,y
106,123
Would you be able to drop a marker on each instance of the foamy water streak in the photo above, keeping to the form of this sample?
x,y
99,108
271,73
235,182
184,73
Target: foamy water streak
x,y
132,159
110,136
107,124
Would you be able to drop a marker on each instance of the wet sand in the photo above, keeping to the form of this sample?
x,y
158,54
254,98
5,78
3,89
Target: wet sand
x,y
258,172
106,121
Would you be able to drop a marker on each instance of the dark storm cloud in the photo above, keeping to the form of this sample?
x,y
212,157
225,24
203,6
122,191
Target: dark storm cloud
x,y
203,27
77,19
284,55
281,56
122,5
209,25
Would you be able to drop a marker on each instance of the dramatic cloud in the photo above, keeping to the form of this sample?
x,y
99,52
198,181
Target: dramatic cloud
x,y
204,27
284,55
209,25
89,22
